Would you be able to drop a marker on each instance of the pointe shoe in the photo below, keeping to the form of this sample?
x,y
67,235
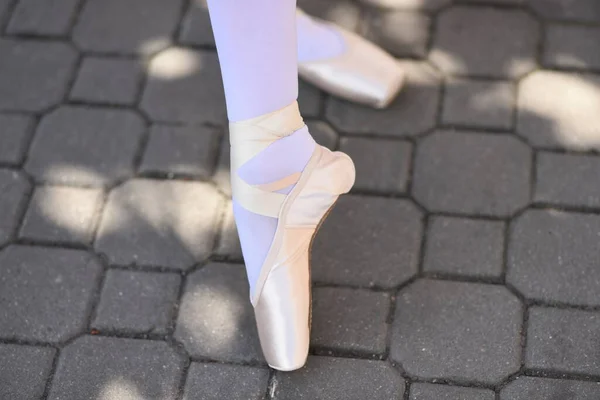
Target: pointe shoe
x,y
364,73
281,297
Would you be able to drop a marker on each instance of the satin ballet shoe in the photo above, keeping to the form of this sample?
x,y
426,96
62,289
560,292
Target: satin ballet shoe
x,y
281,296
363,74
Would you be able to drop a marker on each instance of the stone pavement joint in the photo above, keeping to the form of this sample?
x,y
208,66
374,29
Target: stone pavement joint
x,y
463,264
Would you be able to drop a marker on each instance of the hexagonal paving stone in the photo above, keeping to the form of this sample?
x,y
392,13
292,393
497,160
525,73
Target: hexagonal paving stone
x,y
15,134
310,100
428,391
184,86
368,241
113,368
530,388
196,28
572,47
138,302
473,328
382,165
472,173
24,370
569,121
131,26
339,378
85,146
485,42
476,103
4,9
429,5
350,319
216,319
464,247
572,10
187,150
563,340
62,214
42,18
402,33
413,112
345,13
222,176
34,75
46,292
567,179
229,242
159,223
553,256
107,80
14,187
323,134
222,381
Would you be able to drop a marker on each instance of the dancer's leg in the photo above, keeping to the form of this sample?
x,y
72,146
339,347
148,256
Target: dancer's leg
x,y
256,42
317,40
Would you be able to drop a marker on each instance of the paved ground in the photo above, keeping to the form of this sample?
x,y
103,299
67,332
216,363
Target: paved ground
x,y
464,266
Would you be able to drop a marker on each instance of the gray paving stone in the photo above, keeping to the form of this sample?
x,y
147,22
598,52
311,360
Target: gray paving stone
x,y
131,26
62,214
464,247
382,165
530,388
572,47
184,86
429,5
350,320
563,340
159,223
368,241
43,17
566,179
479,104
188,150
414,111
14,188
137,302
15,134
4,9
428,391
85,146
552,256
196,28
216,319
489,42
24,370
328,378
94,367
107,80
402,33
34,75
222,176
571,10
474,328
323,134
222,381
345,13
500,2
569,121
309,100
46,292
472,173
229,243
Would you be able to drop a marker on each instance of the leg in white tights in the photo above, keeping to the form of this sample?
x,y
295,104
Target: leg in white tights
x,y
257,47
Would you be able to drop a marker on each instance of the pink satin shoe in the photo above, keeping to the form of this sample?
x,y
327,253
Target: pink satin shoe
x,y
363,74
281,296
